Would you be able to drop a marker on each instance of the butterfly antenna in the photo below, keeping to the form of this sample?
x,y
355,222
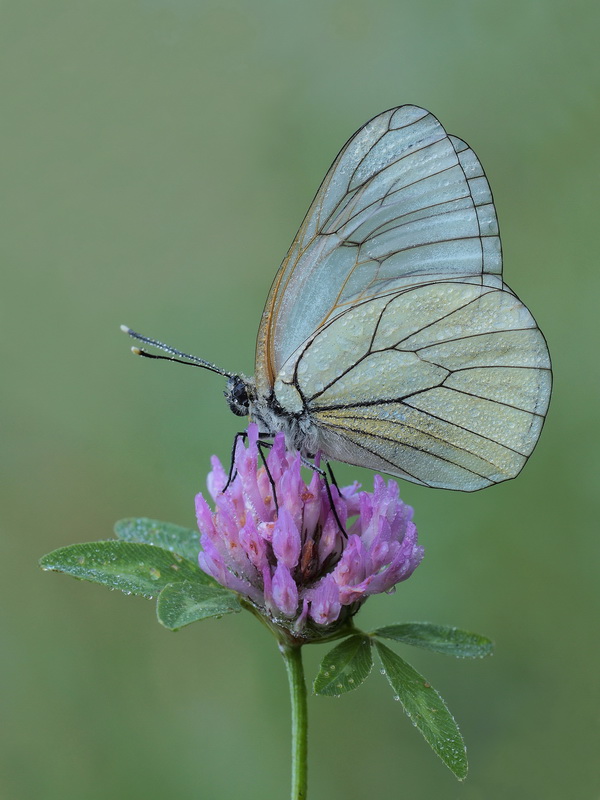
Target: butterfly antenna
x,y
176,355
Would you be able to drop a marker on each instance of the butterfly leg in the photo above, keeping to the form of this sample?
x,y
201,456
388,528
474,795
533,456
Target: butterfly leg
x,y
261,444
240,435
264,444
323,474
332,477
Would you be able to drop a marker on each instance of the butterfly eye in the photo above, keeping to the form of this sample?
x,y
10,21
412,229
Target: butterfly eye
x,y
236,394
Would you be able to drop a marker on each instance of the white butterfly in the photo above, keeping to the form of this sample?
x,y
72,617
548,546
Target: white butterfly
x,y
389,339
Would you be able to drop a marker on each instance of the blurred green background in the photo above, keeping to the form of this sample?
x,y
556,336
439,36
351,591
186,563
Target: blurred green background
x,y
157,159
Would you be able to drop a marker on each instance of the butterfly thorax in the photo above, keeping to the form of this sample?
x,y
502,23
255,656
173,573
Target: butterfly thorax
x,y
270,416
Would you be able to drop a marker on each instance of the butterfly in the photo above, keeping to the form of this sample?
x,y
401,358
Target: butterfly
x,y
389,339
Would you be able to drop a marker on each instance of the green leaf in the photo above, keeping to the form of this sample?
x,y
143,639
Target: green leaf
x,y
131,567
426,709
345,667
171,537
439,638
180,604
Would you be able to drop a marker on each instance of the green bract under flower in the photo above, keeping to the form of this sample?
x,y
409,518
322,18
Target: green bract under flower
x,y
276,540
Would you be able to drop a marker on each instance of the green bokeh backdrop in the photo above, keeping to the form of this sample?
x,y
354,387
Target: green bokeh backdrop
x,y
157,158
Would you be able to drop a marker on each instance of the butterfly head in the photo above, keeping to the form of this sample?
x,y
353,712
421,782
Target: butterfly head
x,y
238,394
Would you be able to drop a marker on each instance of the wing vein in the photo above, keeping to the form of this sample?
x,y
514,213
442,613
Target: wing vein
x,y
488,399
411,447
438,439
462,427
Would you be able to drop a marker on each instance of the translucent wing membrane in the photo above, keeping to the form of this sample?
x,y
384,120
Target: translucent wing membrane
x,y
403,204
388,321
445,384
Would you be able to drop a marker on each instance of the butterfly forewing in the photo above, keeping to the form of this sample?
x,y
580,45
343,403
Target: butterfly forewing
x,y
388,321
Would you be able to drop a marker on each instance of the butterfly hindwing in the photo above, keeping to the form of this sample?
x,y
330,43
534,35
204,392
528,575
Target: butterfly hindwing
x,y
444,384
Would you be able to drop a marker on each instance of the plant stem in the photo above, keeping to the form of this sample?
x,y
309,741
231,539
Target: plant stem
x,y
292,655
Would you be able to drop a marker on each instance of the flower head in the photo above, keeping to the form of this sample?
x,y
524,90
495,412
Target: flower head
x,y
277,541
